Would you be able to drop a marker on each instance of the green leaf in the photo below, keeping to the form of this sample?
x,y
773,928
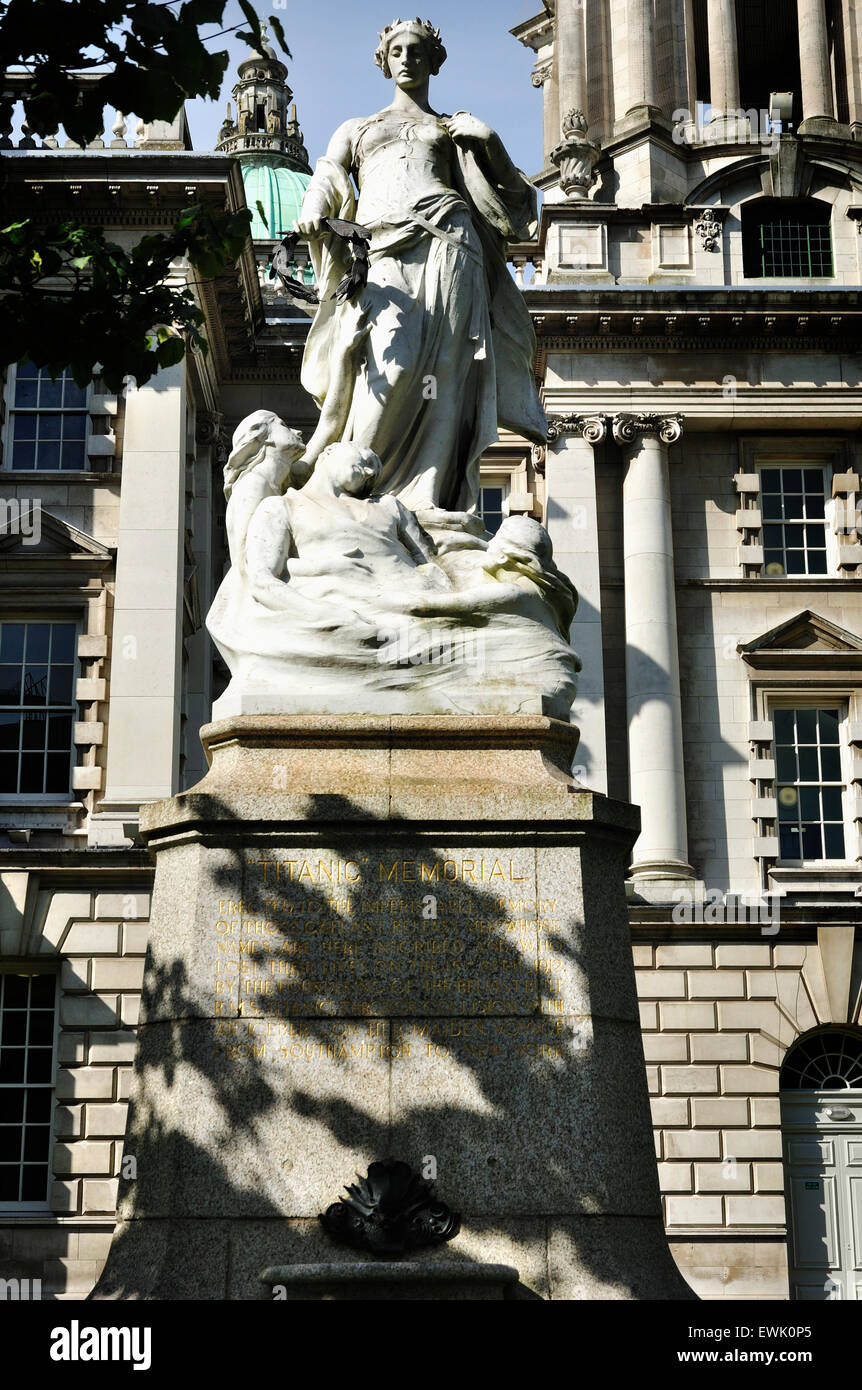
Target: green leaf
x,y
252,19
261,213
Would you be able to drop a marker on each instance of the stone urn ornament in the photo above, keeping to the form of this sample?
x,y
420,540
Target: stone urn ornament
x,y
576,156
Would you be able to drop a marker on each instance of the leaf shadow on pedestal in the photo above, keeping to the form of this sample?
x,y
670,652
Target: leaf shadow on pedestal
x,y
533,1120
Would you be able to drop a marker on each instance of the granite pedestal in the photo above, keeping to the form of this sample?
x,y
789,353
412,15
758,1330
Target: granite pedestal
x,y
399,937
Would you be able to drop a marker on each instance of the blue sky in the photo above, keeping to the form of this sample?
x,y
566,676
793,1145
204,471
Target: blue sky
x,y
333,75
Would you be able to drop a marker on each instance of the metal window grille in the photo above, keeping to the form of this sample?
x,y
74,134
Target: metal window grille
x,y
825,1062
793,510
795,249
37,707
27,1030
810,785
49,421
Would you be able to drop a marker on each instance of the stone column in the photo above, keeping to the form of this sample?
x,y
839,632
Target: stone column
x,y
572,522
817,99
146,646
545,76
656,762
571,55
723,57
640,41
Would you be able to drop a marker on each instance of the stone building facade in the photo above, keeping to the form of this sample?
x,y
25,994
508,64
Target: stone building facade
x,y
695,291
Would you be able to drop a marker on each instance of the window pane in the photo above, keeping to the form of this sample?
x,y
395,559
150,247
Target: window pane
x,y
24,427
25,390
813,478
38,641
815,505
14,1027
74,397
788,841
809,802
12,1107
8,772
60,731
43,989
806,725
48,456
770,479
74,427
817,562
50,393
10,1144
38,1106
32,773
23,455
63,642
10,731
827,723
11,1065
785,765
41,1028
788,804
49,427
10,685
832,803
782,721
795,562
16,991
33,730
834,842
792,479
34,1184
36,1143
35,685
830,762
57,772
73,456
809,770
60,689
770,506
40,1061
812,842
9,1182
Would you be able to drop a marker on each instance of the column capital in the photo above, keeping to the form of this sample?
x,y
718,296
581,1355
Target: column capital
x,y
592,428
667,428
541,73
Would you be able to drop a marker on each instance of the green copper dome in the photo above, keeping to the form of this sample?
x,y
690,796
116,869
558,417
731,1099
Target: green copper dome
x,y
279,190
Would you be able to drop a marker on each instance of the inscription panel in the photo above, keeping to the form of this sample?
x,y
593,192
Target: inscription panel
x,y
382,937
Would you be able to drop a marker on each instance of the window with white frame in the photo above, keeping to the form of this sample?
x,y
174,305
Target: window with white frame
x,y
811,782
28,1024
48,422
793,502
493,493
37,707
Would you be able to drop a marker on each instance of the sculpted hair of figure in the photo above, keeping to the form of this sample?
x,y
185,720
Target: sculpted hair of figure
x,y
250,439
425,29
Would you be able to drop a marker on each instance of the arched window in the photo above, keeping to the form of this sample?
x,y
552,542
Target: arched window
x,y
830,1060
787,238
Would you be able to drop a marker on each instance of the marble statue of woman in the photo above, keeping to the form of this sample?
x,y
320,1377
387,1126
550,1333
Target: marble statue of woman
x,y
436,351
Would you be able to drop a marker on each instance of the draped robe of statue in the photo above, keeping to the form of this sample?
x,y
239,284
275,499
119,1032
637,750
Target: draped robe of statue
x,y
437,349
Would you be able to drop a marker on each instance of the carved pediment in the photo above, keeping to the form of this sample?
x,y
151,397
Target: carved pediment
x,y
31,537
806,640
